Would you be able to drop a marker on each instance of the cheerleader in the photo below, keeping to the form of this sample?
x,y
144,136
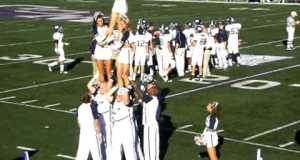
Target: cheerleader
x,y
123,43
209,136
119,9
103,54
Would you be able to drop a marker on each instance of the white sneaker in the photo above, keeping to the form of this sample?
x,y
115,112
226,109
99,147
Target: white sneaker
x,y
49,68
64,72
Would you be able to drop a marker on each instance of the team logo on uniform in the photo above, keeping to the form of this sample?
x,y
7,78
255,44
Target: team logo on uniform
x,y
45,12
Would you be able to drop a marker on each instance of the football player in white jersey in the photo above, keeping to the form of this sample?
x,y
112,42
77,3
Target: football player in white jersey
x,y
290,28
141,43
189,32
221,46
102,53
166,53
199,42
210,48
123,135
180,46
233,30
89,129
151,113
58,49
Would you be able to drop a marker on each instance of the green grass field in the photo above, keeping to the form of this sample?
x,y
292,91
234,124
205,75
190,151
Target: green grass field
x,y
274,112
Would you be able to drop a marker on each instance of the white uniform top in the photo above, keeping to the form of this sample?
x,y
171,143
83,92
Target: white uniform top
x,y
212,32
290,22
200,39
141,41
211,124
188,34
57,36
103,104
120,111
85,119
101,33
151,111
233,30
165,40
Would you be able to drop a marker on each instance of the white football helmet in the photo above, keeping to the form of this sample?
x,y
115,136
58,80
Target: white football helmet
x,y
294,14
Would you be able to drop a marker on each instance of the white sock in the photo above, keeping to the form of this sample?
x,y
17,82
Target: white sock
x,y
142,76
61,68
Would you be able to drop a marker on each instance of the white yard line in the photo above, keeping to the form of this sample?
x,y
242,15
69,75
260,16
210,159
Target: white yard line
x,y
294,85
265,43
65,156
26,148
86,62
184,127
45,84
286,144
6,98
44,58
37,107
262,145
39,41
271,130
232,81
73,109
221,2
263,26
245,142
30,101
23,30
52,105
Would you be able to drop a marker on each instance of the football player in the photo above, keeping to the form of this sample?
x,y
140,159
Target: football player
x,y
189,32
290,28
166,53
233,30
221,46
199,42
180,46
58,49
209,49
141,43
212,42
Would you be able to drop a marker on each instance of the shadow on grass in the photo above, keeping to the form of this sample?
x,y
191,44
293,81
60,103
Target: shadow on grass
x,y
72,65
166,127
30,154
